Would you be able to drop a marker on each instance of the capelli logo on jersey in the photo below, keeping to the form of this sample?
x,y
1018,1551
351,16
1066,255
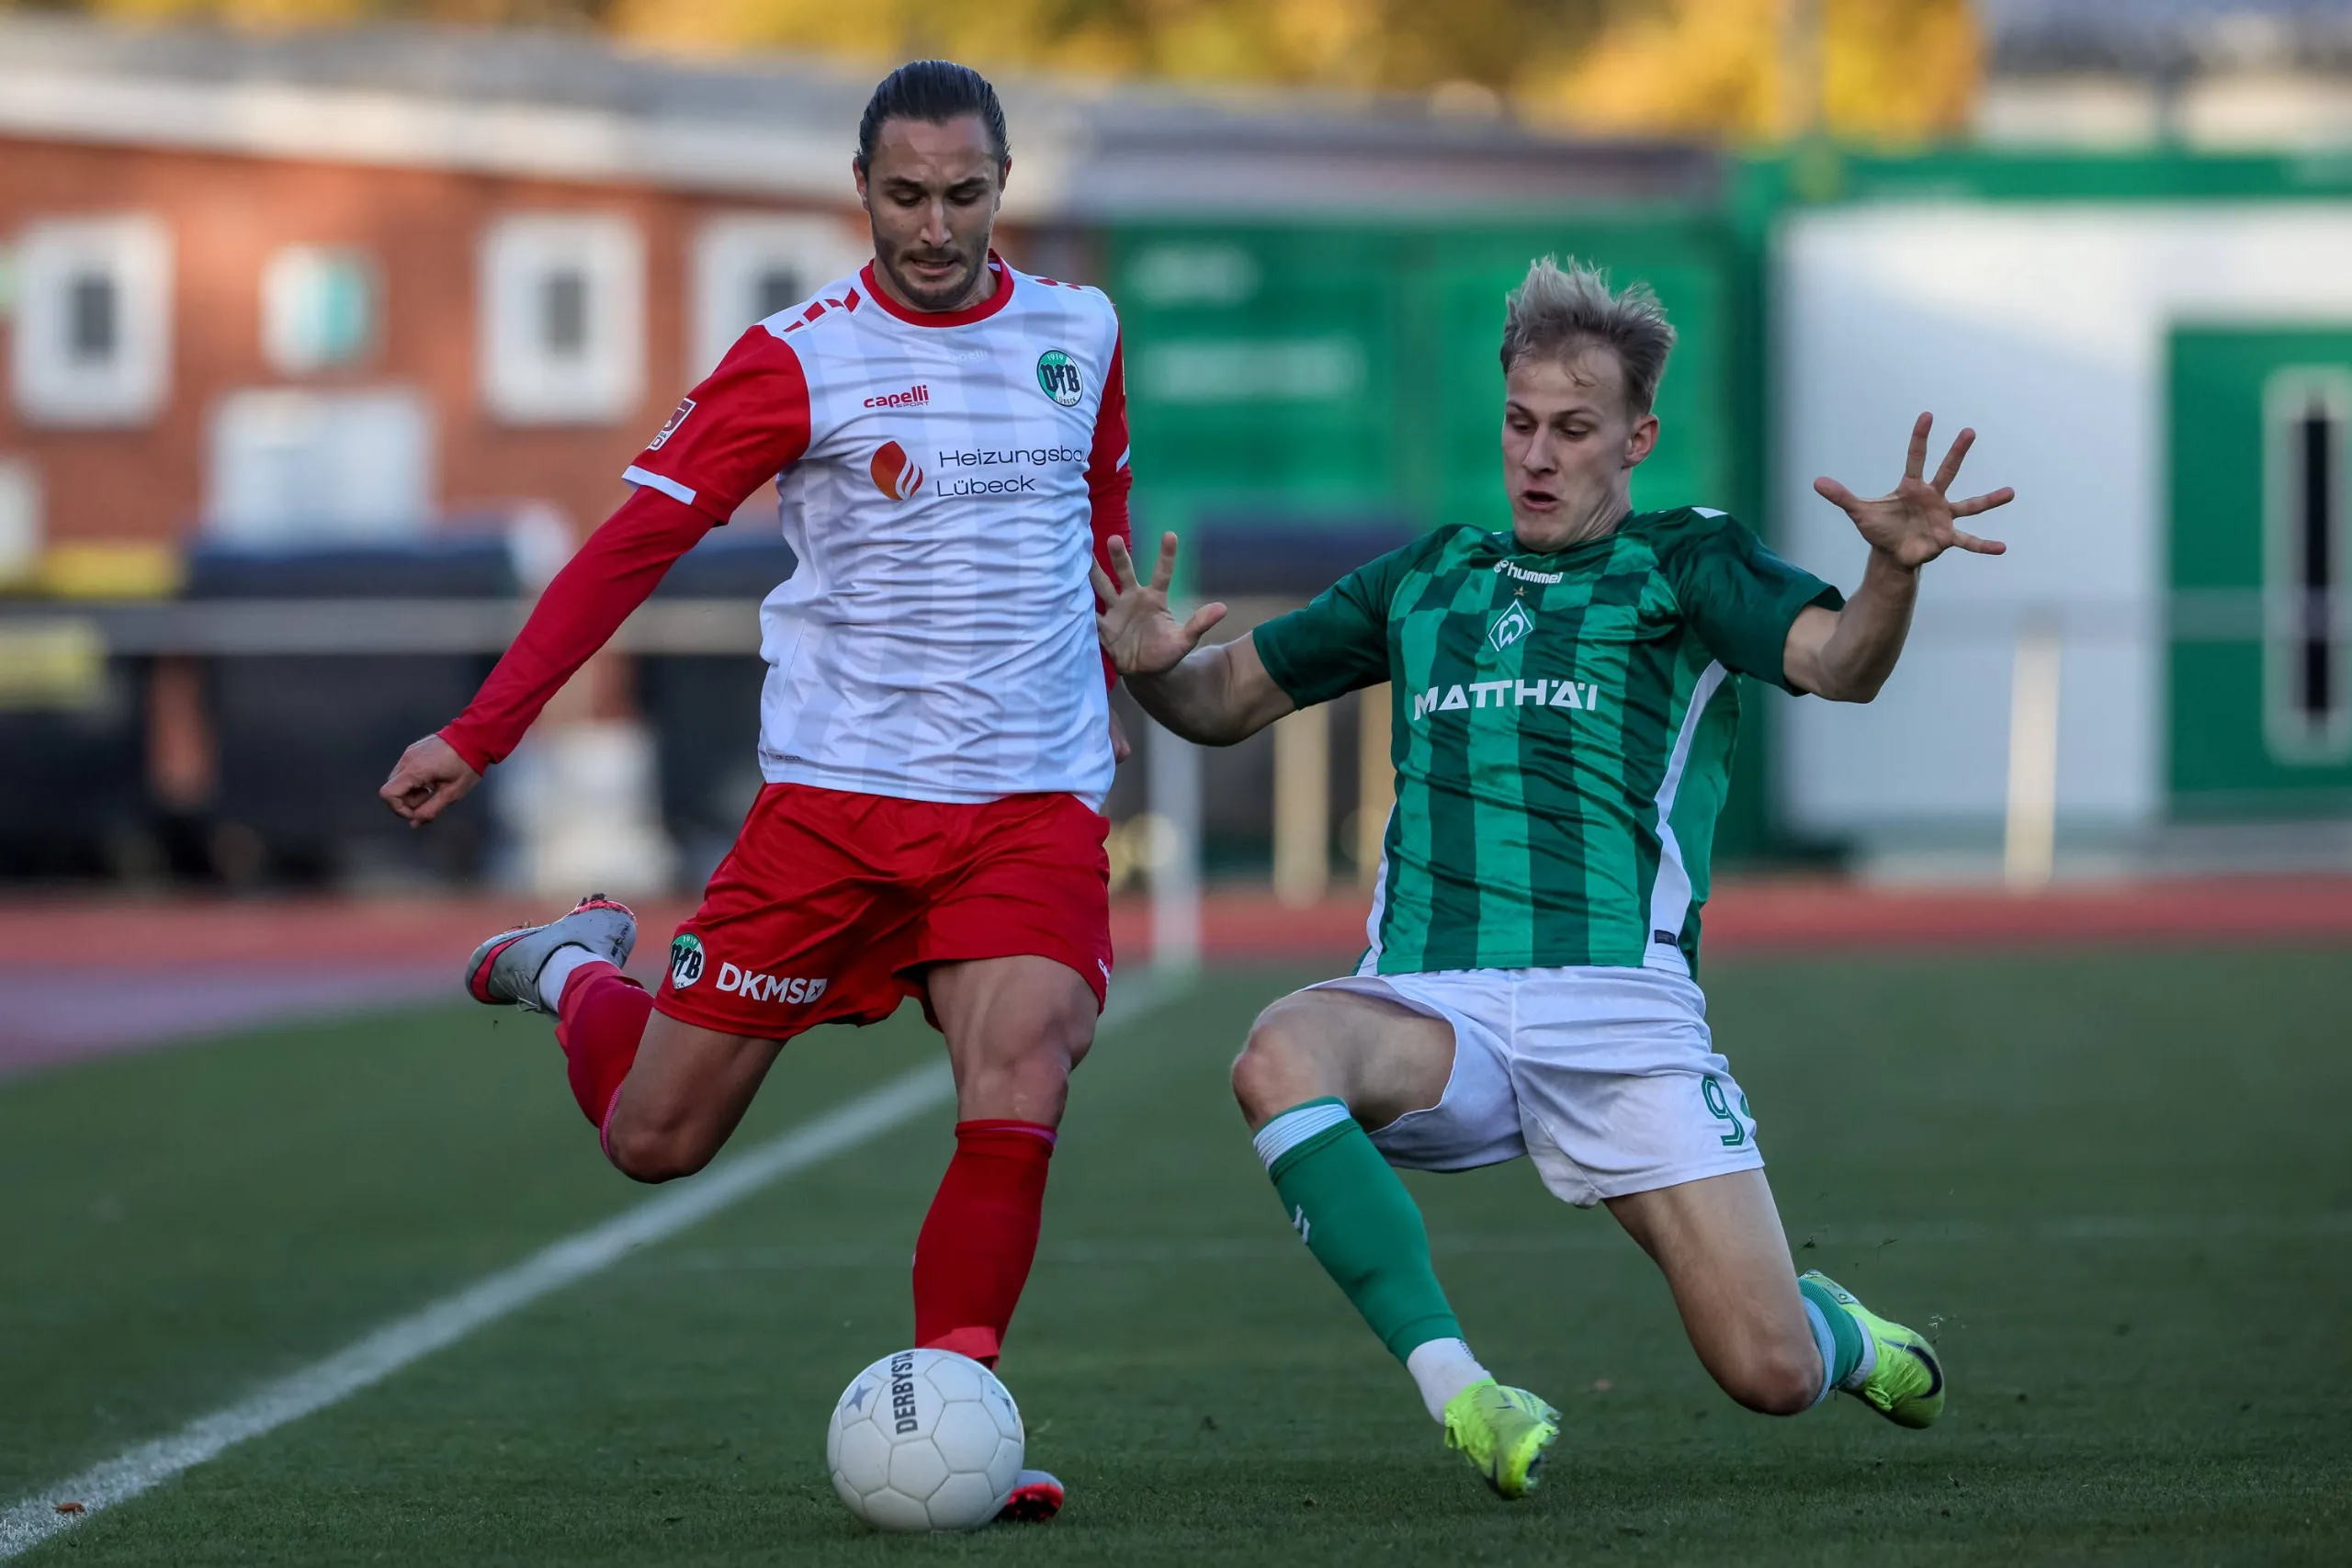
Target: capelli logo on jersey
x,y
1542,691
913,397
896,475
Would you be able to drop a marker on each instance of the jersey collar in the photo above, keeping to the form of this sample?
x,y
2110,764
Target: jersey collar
x,y
963,318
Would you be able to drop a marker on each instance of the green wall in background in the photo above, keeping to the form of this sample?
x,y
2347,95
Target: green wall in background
x,y
2224,757
1333,374
1348,373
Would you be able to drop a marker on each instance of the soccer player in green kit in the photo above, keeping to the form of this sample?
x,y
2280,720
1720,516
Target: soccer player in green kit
x,y
1565,711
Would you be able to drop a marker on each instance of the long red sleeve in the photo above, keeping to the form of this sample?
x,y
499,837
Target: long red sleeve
x,y
1108,477
745,421
612,575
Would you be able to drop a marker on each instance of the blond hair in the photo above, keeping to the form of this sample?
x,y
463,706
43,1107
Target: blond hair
x,y
1563,310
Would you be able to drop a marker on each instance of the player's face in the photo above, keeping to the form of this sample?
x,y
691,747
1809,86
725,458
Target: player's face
x,y
931,192
1570,446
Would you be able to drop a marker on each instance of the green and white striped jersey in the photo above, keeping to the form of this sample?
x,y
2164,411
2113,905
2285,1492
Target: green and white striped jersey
x,y
1561,731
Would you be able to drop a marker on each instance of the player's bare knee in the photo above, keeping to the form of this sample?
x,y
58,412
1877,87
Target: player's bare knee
x,y
1775,1380
1072,1037
1043,1072
1276,1068
655,1154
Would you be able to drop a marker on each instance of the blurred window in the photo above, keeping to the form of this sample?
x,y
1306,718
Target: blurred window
x,y
90,333
563,327
296,467
775,287
563,314
2308,674
317,309
747,266
93,341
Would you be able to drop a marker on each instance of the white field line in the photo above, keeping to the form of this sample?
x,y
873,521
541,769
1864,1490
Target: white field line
x,y
397,1344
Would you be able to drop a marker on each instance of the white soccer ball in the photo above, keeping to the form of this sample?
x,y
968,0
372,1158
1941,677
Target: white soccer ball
x,y
925,1440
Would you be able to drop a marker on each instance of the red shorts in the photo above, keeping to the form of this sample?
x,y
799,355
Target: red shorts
x,y
831,905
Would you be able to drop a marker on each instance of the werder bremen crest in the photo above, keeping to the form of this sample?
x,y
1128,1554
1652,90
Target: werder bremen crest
x,y
1510,626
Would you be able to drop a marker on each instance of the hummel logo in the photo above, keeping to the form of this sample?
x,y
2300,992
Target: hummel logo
x,y
1299,1223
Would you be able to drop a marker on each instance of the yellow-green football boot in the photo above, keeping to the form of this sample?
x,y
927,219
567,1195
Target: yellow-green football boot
x,y
1906,1385
1502,1432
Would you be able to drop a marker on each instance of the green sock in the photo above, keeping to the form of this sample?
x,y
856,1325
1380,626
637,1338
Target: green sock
x,y
1843,1352
1358,1220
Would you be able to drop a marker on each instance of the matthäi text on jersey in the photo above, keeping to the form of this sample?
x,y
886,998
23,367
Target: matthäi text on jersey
x,y
1542,691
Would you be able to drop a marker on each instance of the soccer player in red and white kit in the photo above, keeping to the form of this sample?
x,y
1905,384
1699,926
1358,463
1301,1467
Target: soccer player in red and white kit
x,y
947,438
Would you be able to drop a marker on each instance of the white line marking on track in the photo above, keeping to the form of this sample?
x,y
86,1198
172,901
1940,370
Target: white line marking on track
x,y
396,1345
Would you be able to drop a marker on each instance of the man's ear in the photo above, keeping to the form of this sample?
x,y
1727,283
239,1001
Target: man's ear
x,y
857,179
1641,442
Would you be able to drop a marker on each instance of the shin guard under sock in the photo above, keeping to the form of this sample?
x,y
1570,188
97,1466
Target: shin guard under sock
x,y
1358,1220
973,1255
599,1027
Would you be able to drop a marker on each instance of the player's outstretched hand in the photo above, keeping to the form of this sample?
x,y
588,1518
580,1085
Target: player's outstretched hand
x,y
1137,630
1913,522
429,779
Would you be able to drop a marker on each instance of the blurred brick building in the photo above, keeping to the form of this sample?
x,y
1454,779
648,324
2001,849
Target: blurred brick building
x,y
337,288
339,284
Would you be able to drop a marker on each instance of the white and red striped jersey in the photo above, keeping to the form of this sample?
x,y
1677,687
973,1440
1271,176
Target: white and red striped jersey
x,y
944,479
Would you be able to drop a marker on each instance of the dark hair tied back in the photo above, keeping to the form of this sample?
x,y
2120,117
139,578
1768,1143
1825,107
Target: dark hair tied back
x,y
935,92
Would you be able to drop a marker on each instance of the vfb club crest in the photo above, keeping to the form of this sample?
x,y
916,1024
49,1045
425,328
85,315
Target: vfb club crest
x,y
1059,378
685,961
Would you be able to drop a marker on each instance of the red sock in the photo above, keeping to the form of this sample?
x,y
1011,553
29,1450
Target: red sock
x,y
980,1236
599,1025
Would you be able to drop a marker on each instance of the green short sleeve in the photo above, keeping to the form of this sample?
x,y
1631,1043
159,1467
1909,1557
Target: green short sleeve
x,y
1338,642
1737,596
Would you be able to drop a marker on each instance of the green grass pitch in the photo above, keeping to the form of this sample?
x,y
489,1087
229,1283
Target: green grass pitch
x,y
2116,1188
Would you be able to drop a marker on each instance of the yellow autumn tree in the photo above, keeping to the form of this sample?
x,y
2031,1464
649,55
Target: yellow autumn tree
x,y
1770,69
1735,69
1332,43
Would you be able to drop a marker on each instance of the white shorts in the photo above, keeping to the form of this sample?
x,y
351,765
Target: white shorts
x,y
1607,1079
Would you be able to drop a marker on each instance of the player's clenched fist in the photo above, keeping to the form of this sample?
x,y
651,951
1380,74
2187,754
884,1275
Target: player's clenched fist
x,y
429,777
1138,631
